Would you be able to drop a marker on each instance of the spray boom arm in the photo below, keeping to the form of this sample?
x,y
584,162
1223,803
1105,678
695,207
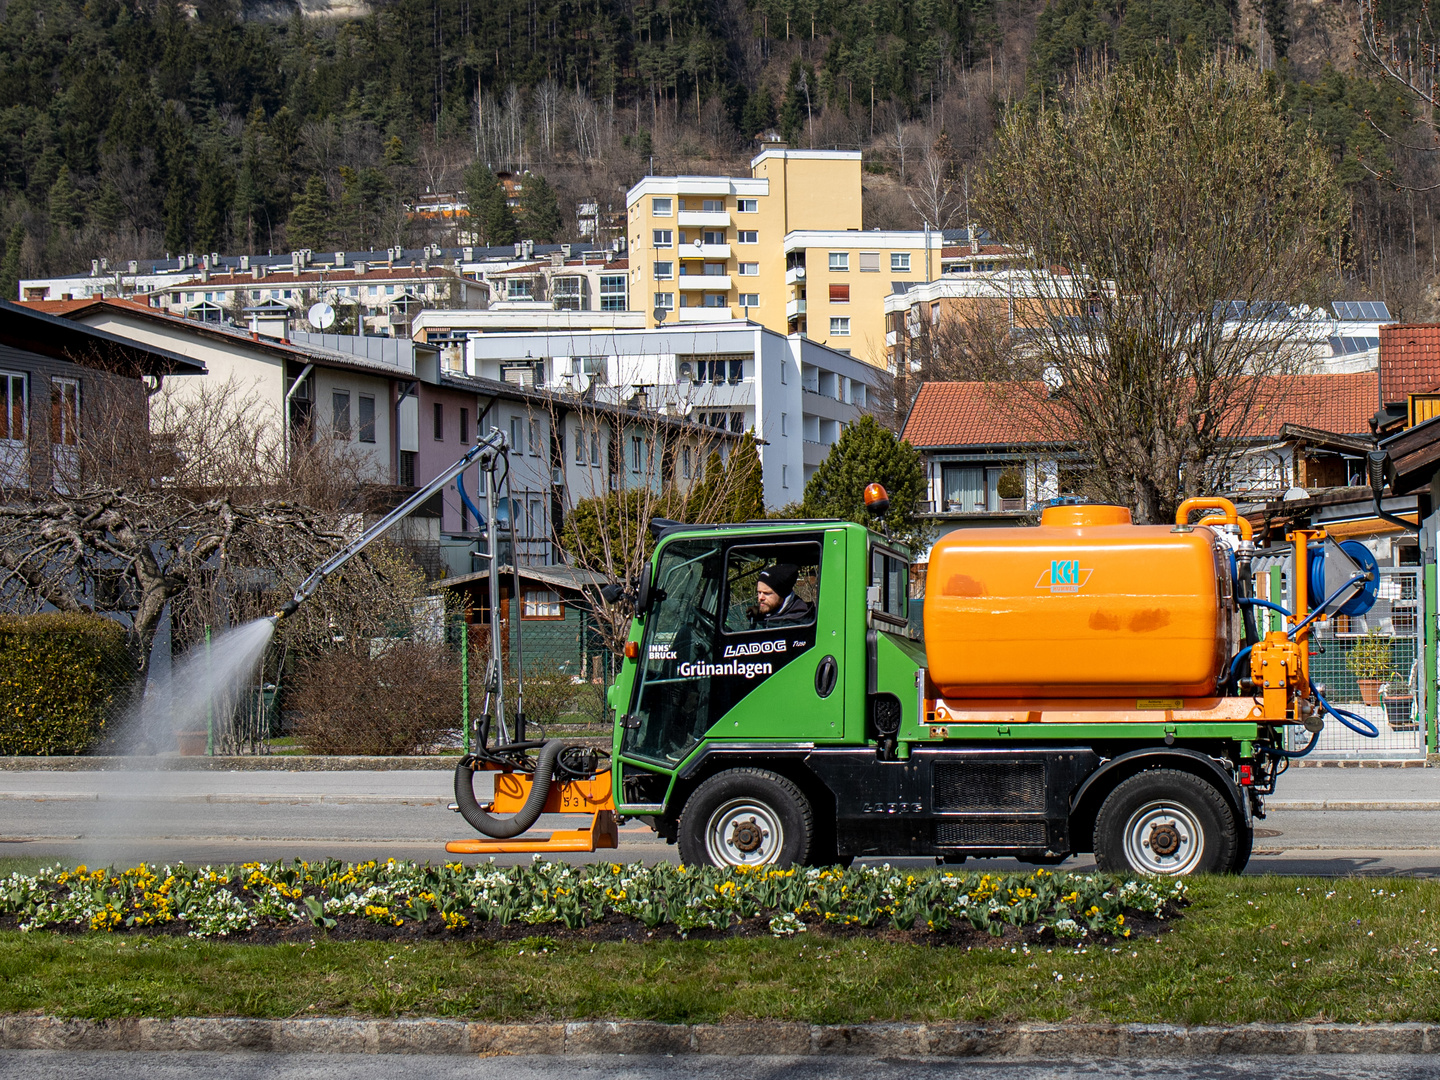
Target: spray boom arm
x,y
483,451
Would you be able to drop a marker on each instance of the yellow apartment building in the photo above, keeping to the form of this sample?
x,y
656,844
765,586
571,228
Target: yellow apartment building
x,y
768,246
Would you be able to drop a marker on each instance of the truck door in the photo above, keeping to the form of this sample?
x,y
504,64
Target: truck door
x,y
714,665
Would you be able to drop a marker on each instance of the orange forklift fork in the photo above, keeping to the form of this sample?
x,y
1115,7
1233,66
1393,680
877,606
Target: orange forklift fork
x,y
593,797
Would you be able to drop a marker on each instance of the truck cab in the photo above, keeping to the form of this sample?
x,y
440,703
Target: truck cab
x,y
807,734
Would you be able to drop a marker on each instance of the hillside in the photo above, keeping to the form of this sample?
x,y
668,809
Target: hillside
x,y
136,127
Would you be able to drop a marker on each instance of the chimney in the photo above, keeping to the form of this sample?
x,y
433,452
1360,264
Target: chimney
x,y
557,258
274,325
257,271
204,269
339,258
519,249
565,250
132,267
974,240
94,267
468,253
359,266
425,260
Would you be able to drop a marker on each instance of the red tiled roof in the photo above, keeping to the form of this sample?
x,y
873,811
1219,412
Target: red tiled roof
x,y
984,414
1409,360
65,307
971,414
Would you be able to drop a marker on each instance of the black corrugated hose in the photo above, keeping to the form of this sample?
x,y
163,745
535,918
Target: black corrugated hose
x,y
504,828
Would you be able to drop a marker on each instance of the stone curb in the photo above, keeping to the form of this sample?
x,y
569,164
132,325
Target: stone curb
x,y
764,1037
251,763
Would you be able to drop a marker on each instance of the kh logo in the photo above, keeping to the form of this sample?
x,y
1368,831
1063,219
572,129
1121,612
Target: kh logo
x,y
1064,576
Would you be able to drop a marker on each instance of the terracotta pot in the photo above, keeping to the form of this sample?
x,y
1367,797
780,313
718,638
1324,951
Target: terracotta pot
x,y
192,743
1369,690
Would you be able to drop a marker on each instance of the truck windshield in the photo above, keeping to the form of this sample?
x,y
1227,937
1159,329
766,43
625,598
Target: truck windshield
x,y
672,708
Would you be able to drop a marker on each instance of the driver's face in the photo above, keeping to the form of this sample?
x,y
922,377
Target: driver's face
x,y
769,599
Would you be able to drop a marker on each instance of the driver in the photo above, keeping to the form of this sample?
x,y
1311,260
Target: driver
x,y
775,595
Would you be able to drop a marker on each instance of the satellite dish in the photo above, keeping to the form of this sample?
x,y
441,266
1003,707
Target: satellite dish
x,y
1053,379
698,242
660,314
321,316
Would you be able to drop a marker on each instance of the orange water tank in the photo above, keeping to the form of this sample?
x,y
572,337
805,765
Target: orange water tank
x,y
1085,605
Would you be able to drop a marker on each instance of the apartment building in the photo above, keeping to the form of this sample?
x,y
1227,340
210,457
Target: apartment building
x,y
714,247
734,376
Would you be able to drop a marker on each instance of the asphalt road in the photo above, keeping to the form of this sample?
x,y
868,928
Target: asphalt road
x,y
62,1065
1388,823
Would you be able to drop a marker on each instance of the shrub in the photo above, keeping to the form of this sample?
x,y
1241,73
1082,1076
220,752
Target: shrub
x,y
405,700
1011,484
1370,657
62,677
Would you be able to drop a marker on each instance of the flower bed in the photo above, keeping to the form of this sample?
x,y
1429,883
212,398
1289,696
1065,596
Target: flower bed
x,y
280,901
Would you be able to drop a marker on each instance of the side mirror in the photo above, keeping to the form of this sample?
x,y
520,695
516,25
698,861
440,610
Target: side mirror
x,y
644,594
612,592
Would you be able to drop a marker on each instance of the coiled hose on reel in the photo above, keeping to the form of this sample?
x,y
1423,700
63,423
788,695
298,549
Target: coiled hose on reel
x,y
498,828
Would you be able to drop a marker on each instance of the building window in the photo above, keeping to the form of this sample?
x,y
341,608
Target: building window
x,y
534,437
389,291
64,412
407,468
869,262
749,236
367,418
749,269
661,207
517,433
784,476
899,262
685,463
535,522
712,206
579,445
594,449
568,294
519,289
464,425
839,260
749,299
737,422
664,238
340,414
439,421
715,300
747,206
839,294
543,603
636,452
665,301
840,327
254,294
664,271
785,424
612,292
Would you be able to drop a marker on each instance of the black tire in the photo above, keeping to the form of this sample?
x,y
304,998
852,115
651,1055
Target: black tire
x,y
1164,821
733,819
1245,844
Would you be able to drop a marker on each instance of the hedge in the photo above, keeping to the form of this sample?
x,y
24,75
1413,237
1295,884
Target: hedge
x,y
62,677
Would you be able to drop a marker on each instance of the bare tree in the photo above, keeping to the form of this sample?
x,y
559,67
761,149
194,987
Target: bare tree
x,y
547,112
1171,218
935,195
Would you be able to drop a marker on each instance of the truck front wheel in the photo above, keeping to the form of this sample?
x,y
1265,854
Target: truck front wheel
x,y
746,817
1163,821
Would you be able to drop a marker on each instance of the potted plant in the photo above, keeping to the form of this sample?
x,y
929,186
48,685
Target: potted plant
x,y
1398,699
1011,489
1369,662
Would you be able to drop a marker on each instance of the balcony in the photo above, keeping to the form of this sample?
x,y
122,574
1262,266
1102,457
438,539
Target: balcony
x,y
794,308
703,314
704,219
704,251
892,338
794,275
704,282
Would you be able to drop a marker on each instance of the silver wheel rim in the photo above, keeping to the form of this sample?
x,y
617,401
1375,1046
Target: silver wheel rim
x,y
743,833
1164,838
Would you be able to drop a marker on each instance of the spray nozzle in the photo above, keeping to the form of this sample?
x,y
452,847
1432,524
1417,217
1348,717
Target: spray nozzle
x,y
291,606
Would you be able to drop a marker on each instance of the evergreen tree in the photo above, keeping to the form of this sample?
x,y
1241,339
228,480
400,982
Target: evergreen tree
x,y
542,210
792,112
66,209
109,209
10,264
309,224
744,483
865,454
213,202
759,114
490,214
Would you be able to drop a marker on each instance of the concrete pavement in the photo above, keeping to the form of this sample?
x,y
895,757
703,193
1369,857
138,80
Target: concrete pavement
x,y
1322,821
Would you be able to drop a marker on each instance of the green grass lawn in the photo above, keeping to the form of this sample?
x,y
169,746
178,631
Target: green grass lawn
x,y
1248,949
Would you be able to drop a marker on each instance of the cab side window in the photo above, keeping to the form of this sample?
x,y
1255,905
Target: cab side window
x,y
889,584
771,586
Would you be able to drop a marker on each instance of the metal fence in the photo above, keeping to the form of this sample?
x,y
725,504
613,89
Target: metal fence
x,y
1370,665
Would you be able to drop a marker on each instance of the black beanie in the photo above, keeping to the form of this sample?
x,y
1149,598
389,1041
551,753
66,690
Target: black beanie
x,y
781,577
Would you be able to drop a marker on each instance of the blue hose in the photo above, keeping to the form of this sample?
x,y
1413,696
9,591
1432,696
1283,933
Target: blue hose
x,y
1353,721
1265,604
1235,663
1295,753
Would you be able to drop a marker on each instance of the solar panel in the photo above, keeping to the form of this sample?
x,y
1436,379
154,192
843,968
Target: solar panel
x,y
1337,346
1342,309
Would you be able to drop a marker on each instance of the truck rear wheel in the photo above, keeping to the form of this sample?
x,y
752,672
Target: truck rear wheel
x,y
746,817
1164,821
